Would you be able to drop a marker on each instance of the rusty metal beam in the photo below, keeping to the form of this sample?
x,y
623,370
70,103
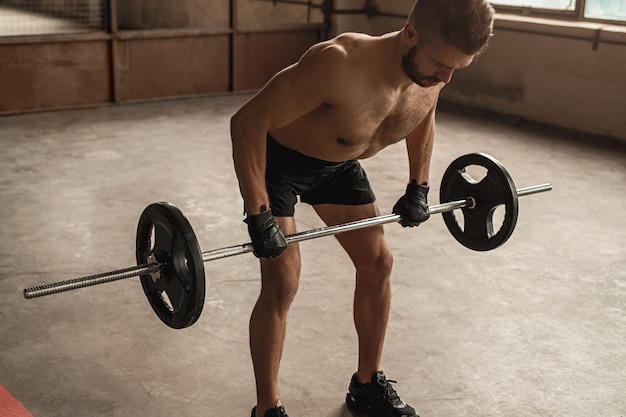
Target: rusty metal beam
x,y
370,9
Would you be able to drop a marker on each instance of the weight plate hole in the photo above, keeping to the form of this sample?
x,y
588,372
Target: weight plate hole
x,y
497,218
152,240
460,219
166,301
494,223
474,174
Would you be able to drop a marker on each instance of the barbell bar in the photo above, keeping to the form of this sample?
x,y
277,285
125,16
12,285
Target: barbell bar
x,y
225,252
171,266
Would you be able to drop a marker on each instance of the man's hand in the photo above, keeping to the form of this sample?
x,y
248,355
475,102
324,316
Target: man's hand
x,y
267,238
413,205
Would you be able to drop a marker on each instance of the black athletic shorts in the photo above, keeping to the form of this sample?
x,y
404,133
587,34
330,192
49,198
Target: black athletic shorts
x,y
290,174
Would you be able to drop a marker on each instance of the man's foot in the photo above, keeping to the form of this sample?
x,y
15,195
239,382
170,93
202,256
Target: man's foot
x,y
377,398
274,412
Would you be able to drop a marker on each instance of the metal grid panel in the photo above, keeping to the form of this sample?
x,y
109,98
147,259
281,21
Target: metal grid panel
x,y
169,14
39,17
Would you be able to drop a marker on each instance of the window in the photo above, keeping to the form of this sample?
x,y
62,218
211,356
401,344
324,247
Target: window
x,y
604,10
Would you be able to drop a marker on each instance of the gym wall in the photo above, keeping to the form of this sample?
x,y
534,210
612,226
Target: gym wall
x,y
54,54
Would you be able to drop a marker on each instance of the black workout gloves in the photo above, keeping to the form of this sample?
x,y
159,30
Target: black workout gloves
x,y
413,205
267,238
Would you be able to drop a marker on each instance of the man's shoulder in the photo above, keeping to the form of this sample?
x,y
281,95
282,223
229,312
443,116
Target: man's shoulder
x,y
345,49
353,37
335,53
353,42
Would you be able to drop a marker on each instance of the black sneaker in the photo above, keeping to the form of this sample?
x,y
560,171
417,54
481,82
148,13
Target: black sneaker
x,y
274,412
377,398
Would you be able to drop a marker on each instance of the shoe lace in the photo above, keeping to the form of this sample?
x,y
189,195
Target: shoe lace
x,y
389,392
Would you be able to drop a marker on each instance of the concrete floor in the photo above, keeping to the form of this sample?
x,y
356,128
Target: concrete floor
x,y
534,328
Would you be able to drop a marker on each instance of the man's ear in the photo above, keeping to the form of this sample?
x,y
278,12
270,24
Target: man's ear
x,y
409,34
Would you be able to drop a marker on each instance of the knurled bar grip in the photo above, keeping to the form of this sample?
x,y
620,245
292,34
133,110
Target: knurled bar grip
x,y
82,282
87,281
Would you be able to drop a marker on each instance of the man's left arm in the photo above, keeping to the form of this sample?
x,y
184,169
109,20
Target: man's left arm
x,y
413,205
419,145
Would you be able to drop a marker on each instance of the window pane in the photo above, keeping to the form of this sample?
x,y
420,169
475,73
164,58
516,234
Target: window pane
x,y
606,9
539,4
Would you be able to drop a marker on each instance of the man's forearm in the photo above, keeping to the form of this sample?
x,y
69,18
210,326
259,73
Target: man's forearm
x,y
249,157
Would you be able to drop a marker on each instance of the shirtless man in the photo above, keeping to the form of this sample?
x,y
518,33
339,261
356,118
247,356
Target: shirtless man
x,y
303,134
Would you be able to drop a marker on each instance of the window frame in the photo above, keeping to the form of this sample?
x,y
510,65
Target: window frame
x,y
578,14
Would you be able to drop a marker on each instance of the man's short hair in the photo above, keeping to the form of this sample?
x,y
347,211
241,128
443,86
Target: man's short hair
x,y
464,24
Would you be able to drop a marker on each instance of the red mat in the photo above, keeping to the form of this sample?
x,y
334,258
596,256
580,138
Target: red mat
x,y
9,407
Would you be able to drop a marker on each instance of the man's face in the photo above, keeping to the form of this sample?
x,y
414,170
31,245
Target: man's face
x,y
430,65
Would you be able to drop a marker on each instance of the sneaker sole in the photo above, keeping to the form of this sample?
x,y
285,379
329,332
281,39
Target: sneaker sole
x,y
359,412
355,409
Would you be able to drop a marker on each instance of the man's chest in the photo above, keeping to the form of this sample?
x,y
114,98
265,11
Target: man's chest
x,y
386,120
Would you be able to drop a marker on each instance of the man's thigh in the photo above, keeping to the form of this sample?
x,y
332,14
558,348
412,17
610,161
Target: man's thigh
x,y
284,270
360,244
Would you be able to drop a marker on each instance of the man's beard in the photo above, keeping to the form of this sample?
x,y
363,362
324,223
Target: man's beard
x,y
410,69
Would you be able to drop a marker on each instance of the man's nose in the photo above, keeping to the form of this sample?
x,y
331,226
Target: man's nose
x,y
445,75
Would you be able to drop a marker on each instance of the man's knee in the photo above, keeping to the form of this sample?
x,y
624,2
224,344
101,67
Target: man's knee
x,y
280,277
376,265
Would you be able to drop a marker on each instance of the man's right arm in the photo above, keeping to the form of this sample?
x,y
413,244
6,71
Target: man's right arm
x,y
290,94
268,240
249,152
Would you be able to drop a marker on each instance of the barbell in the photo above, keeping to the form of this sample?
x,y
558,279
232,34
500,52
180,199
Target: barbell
x,y
171,266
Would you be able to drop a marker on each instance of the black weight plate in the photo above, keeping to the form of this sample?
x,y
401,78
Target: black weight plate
x,y
496,189
177,297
